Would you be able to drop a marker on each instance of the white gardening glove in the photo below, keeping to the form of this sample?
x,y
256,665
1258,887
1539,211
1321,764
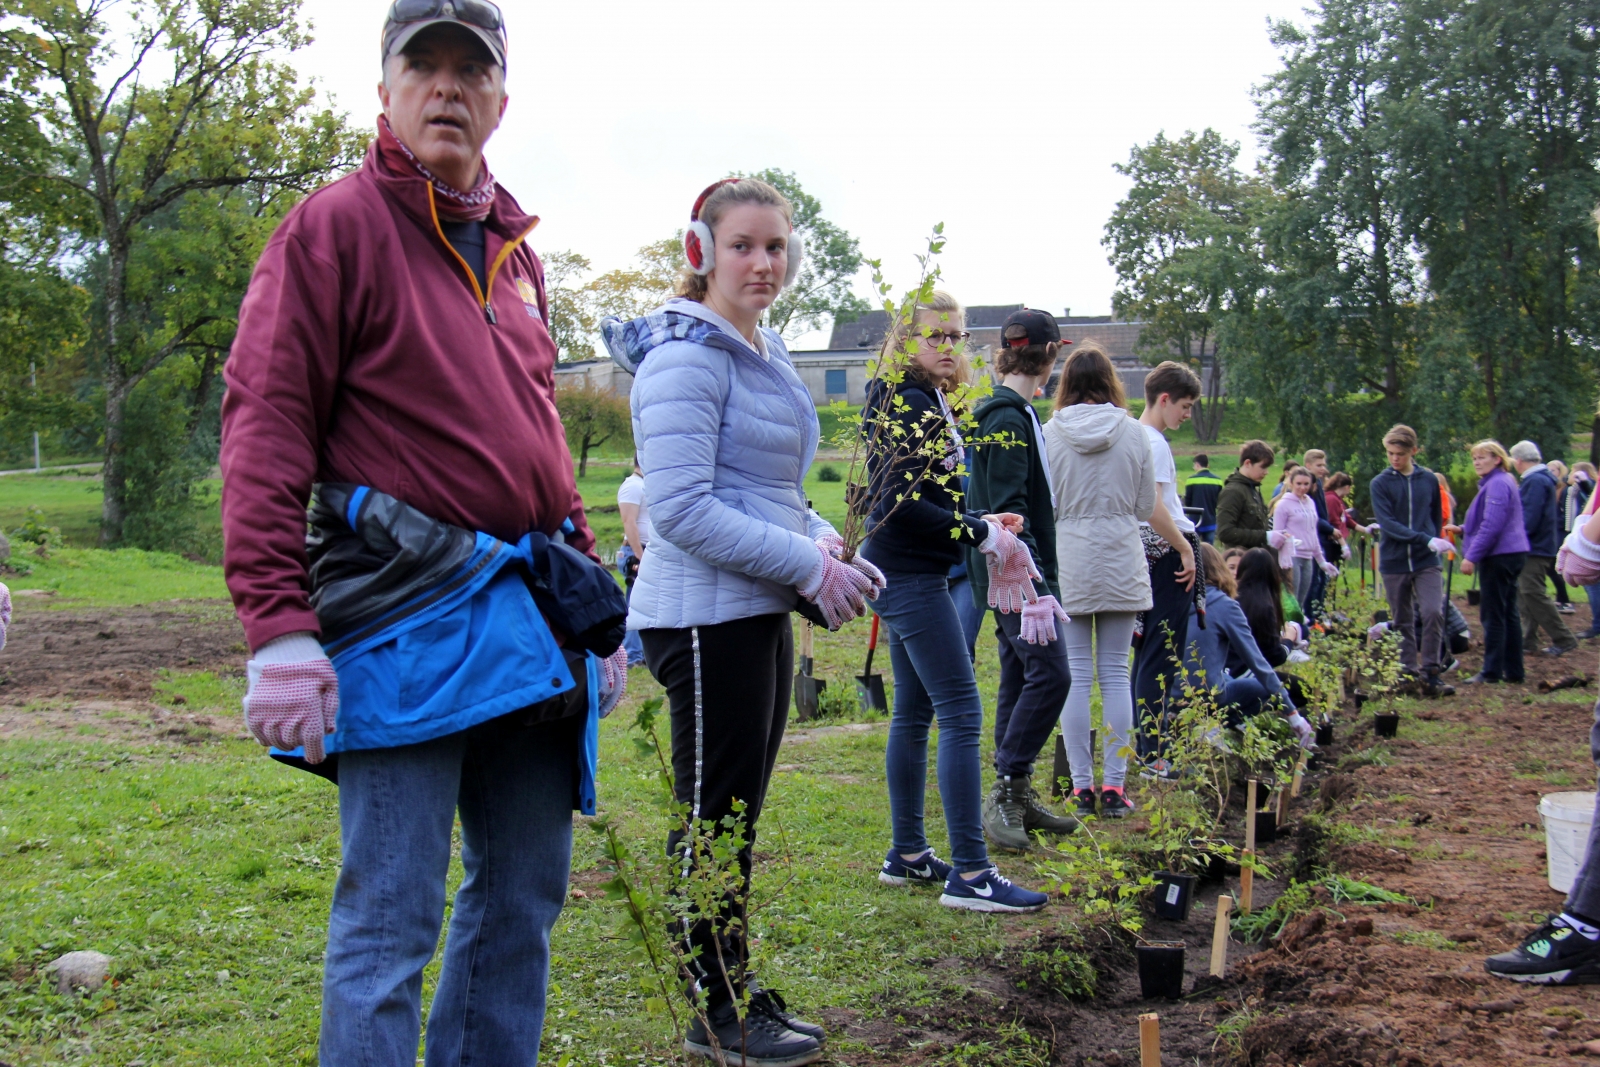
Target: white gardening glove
x,y
1440,545
833,545
1011,570
292,697
1303,730
1275,539
838,589
1039,620
1344,549
5,613
1331,570
613,680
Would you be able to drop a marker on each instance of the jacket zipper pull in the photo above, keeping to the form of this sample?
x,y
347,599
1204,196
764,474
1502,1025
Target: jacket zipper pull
x,y
488,313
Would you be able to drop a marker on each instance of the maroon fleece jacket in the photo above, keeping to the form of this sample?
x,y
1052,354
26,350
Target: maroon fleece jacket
x,y
365,354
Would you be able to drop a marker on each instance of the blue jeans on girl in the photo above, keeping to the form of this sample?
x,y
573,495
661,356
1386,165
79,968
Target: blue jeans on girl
x,y
932,677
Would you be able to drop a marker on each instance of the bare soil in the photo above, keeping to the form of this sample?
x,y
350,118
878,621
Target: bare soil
x,y
1448,816
69,672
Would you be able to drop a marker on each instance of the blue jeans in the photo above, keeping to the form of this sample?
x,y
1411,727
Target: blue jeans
x,y
1243,698
971,612
932,676
514,787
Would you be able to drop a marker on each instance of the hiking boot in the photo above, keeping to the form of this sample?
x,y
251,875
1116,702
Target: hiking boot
x,y
1035,816
1554,954
990,891
1005,816
770,1002
759,1041
1114,802
1083,802
926,869
1434,688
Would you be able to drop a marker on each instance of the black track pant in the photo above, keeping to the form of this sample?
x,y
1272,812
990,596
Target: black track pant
x,y
728,690
1158,657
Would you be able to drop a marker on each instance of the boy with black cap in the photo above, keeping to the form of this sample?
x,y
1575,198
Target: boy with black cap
x,y
1012,477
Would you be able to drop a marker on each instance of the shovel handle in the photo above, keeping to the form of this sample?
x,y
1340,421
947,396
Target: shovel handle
x,y
872,647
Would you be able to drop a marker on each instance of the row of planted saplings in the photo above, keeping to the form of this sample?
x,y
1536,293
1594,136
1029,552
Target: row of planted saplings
x,y
1161,962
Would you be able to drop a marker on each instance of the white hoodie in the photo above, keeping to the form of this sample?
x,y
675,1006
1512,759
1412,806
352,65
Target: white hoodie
x,y
1103,480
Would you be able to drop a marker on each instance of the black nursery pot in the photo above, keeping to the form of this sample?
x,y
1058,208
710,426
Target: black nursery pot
x,y
1360,699
1160,969
1385,725
1325,733
1474,598
1266,827
1216,869
1174,895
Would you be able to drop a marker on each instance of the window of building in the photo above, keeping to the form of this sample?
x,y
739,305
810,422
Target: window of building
x,y
835,385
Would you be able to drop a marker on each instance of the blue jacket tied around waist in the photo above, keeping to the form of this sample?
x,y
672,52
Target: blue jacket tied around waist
x,y
433,629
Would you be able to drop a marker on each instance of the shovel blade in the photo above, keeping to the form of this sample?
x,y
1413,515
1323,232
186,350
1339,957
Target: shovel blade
x,y
869,691
806,691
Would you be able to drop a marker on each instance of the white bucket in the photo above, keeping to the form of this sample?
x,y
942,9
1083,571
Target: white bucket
x,y
1567,819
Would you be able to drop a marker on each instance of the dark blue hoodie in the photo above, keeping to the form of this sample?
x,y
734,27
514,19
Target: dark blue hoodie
x,y
1539,516
1408,508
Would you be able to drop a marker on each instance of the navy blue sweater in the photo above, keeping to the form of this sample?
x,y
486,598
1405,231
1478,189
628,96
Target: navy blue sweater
x,y
1539,515
1410,512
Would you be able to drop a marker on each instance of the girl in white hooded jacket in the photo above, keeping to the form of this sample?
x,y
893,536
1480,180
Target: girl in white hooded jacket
x,y
1102,478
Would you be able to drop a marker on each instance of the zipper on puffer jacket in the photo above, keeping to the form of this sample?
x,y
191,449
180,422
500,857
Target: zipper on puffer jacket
x,y
472,279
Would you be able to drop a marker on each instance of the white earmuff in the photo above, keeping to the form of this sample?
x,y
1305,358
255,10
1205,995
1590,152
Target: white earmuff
x,y
699,248
797,254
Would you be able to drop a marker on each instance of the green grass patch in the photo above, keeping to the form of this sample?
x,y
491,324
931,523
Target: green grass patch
x,y
94,577
199,690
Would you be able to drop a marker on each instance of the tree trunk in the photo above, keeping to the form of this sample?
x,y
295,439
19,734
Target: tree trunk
x,y
114,479
583,458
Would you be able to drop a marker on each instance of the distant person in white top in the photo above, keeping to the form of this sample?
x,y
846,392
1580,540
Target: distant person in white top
x,y
1170,391
636,533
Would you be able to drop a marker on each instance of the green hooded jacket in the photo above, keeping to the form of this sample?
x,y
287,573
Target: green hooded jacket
x,y
1011,478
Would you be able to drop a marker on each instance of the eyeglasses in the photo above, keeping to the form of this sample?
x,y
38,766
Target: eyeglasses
x,y
474,12
940,338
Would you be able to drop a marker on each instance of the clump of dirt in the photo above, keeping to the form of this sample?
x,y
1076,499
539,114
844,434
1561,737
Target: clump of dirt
x,y
93,672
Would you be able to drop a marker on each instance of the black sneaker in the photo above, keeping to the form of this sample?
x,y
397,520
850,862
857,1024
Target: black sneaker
x,y
1083,801
1432,687
1114,802
1554,954
926,869
759,1041
771,1003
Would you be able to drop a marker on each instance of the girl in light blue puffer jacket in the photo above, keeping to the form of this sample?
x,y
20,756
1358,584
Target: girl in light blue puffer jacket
x,y
725,432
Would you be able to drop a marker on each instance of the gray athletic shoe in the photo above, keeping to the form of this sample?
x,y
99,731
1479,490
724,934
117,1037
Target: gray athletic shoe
x,y
1005,816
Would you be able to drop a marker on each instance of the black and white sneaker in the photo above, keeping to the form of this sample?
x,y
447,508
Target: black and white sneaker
x,y
926,869
990,891
759,1040
1555,954
1083,802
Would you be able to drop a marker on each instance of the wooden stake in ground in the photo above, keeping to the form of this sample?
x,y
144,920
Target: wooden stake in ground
x,y
1150,1040
1299,776
1219,937
1246,879
1250,817
1283,799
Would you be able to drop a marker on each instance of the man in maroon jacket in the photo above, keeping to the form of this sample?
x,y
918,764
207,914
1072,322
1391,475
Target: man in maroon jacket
x,y
394,337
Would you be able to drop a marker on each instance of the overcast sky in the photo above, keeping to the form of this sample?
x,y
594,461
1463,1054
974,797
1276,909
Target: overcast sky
x,y
1001,119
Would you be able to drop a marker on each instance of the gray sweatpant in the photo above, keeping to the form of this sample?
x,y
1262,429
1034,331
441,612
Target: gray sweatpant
x,y
1427,586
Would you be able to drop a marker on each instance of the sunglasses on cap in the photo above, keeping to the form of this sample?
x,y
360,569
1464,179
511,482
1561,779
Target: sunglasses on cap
x,y
479,13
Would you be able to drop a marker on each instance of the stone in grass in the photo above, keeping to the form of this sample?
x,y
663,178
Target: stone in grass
x,y
80,970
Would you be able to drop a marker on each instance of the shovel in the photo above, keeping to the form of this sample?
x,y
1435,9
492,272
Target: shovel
x,y
807,688
869,686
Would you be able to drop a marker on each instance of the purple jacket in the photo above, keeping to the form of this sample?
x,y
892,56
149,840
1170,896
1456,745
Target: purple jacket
x,y
1493,526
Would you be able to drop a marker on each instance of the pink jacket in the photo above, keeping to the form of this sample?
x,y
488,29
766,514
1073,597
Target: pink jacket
x,y
1297,516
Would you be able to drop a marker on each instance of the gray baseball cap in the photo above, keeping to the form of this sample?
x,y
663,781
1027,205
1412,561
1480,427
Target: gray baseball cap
x,y
407,18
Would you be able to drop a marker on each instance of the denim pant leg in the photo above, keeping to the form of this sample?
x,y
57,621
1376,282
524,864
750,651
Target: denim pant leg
x,y
1584,899
906,755
1034,680
972,614
516,800
930,647
1242,698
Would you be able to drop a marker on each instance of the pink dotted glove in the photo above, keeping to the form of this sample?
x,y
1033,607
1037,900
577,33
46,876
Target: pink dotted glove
x,y
1039,620
291,704
1011,570
833,545
5,613
840,590
613,680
